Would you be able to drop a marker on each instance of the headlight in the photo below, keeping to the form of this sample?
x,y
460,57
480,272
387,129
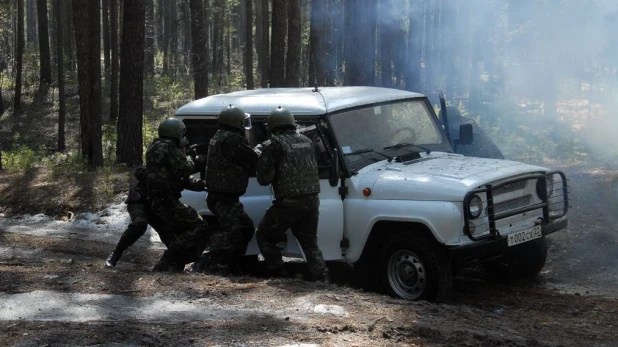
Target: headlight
x,y
476,207
549,185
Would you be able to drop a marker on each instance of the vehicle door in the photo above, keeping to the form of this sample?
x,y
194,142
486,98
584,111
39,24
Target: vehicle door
x,y
330,226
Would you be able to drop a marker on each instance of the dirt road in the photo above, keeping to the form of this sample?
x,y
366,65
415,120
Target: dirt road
x,y
54,291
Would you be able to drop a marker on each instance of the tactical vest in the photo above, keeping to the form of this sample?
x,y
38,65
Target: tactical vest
x,y
160,180
297,172
223,175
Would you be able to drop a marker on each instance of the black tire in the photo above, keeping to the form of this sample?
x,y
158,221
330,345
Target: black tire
x,y
414,267
522,261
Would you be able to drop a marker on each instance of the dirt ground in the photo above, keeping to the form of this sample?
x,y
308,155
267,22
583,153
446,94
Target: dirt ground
x,y
573,303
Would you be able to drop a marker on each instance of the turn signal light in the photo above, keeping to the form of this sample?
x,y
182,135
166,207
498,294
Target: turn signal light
x,y
366,191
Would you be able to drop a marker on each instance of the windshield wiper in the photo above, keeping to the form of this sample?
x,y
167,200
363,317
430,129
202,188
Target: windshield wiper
x,y
408,144
369,150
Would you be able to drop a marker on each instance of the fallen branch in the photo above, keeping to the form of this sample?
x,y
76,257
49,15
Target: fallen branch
x,y
373,324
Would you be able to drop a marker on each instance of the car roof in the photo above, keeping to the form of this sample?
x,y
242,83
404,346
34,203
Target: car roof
x,y
300,101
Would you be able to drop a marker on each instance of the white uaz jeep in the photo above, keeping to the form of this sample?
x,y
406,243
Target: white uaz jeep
x,y
395,200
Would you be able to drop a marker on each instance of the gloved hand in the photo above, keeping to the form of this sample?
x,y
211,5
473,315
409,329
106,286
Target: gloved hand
x,y
258,149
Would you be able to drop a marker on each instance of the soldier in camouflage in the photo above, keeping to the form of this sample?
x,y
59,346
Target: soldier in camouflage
x,y
168,168
482,145
229,165
288,163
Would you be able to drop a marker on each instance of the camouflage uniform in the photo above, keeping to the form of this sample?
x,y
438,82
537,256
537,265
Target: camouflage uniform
x,y
288,164
482,146
168,169
229,165
141,216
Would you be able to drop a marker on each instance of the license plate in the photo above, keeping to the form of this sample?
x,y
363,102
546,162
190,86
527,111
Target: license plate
x,y
525,235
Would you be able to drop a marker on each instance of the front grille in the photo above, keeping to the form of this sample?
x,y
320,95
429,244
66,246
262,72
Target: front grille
x,y
509,205
511,187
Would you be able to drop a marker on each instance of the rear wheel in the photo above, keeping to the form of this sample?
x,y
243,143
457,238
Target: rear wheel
x,y
415,268
522,261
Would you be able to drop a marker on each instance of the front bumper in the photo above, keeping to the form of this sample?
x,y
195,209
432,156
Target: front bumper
x,y
492,247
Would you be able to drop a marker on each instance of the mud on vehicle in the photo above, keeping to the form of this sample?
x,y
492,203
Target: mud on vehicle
x,y
396,201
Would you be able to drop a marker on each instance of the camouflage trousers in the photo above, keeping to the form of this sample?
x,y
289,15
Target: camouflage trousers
x,y
236,227
141,216
183,231
300,214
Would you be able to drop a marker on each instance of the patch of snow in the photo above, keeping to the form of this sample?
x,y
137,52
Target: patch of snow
x,y
104,226
331,309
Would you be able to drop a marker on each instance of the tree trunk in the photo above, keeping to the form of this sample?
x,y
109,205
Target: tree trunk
x,y
87,38
159,24
387,35
173,37
166,35
292,69
258,33
129,142
277,48
113,108
31,20
45,69
317,38
228,48
360,60
415,40
249,43
105,33
217,39
150,39
199,54
265,45
19,54
60,65
186,37
67,14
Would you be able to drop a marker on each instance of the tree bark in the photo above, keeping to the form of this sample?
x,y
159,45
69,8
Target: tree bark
x,y
217,39
249,43
415,40
277,48
187,37
129,142
360,60
150,39
60,65
113,108
19,54
106,38
31,20
67,14
45,69
199,54
166,35
387,35
292,70
265,45
86,16
258,33
173,56
317,37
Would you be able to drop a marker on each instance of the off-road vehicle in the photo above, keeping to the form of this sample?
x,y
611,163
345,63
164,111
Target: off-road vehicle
x,y
396,201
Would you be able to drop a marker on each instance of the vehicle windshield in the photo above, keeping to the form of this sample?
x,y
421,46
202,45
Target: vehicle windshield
x,y
365,135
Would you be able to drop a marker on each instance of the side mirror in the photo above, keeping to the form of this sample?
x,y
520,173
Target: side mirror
x,y
465,134
333,178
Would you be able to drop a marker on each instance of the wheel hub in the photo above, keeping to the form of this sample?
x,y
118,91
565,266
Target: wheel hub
x,y
406,274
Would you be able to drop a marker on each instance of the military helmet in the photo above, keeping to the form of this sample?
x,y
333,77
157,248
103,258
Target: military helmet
x,y
280,118
235,117
172,128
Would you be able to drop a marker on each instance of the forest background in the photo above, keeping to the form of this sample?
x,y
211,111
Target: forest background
x,y
84,84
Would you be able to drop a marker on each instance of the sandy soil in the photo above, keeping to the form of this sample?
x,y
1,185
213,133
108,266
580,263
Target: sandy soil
x,y
55,291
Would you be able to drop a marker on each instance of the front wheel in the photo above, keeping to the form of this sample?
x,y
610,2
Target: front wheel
x,y
415,268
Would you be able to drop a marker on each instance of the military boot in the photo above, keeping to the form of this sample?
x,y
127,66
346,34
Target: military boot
x,y
113,258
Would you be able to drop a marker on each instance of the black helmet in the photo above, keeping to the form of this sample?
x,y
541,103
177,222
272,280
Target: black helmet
x,y
235,117
280,118
172,128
